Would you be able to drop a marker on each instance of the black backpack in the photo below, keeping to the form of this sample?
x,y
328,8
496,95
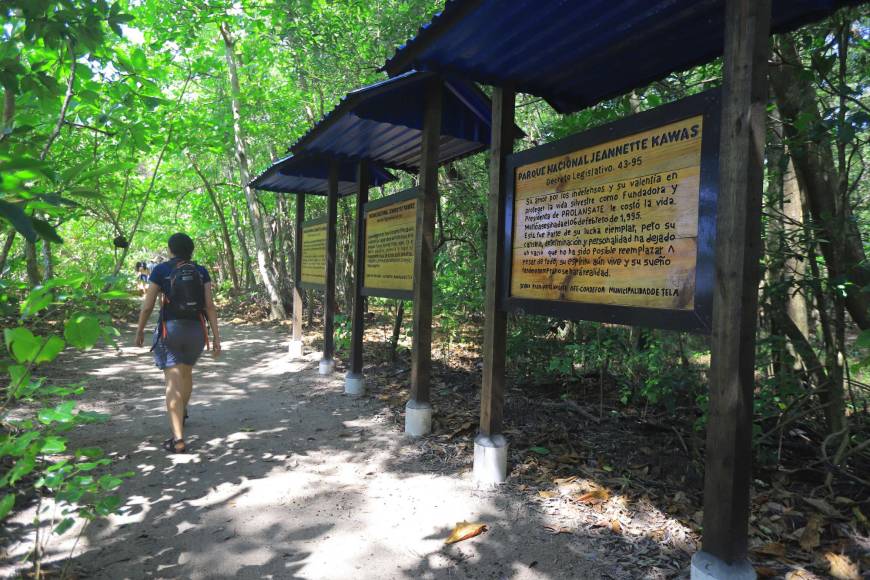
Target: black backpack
x,y
186,296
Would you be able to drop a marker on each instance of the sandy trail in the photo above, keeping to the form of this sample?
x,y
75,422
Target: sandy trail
x,y
289,478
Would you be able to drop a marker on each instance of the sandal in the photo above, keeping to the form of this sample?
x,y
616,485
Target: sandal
x,y
172,445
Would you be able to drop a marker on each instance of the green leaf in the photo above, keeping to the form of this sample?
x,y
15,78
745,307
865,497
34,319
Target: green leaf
x,y
53,444
20,378
22,467
22,344
540,450
89,452
110,482
64,525
19,220
46,231
863,340
6,505
62,413
38,299
82,331
114,294
139,60
92,417
53,346
104,170
108,505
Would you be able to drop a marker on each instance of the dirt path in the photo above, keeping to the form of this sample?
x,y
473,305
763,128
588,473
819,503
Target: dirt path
x,y
290,478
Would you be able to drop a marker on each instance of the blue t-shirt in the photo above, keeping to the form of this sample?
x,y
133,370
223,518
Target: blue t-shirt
x,y
160,274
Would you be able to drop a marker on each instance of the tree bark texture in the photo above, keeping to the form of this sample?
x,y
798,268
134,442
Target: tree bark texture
x,y
266,273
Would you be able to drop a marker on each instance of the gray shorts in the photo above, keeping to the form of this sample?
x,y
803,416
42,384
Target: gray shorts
x,y
183,343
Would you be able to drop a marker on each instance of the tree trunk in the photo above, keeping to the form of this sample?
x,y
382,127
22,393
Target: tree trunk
x,y
47,260
7,247
810,147
776,283
279,252
275,301
795,265
225,233
243,247
397,329
34,278
346,256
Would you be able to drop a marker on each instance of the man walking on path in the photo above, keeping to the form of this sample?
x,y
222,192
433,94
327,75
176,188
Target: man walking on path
x,y
181,333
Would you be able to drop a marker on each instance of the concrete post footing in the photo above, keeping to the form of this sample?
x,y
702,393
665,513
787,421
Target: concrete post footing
x,y
418,418
327,366
706,566
490,459
295,349
354,384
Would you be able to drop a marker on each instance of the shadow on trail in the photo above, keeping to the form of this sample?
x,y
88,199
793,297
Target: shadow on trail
x,y
289,478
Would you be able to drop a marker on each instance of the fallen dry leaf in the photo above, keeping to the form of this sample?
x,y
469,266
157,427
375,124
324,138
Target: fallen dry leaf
x,y
615,526
548,494
811,536
556,531
766,572
774,549
842,568
467,426
800,574
593,497
463,531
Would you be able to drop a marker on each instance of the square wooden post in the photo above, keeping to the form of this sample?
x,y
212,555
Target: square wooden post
x,y
490,446
354,382
735,293
418,411
296,342
327,364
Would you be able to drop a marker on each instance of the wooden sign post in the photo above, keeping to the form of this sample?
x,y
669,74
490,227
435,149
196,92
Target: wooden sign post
x,y
354,381
735,301
296,342
327,363
490,445
418,411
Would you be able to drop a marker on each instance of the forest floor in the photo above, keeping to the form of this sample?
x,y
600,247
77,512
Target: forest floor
x,y
287,477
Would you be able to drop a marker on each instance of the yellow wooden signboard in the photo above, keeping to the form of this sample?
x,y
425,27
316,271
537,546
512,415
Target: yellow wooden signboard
x,y
614,223
390,235
314,253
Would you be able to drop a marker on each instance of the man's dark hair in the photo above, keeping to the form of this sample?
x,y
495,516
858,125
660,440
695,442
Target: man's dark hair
x,y
181,246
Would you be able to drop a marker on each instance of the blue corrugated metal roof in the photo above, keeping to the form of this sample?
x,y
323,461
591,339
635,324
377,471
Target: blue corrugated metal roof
x,y
310,174
578,53
383,122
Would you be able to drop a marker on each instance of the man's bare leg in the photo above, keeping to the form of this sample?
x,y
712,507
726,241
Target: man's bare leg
x,y
175,399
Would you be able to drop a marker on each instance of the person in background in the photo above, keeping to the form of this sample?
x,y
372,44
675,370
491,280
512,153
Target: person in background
x,y
142,278
140,286
181,335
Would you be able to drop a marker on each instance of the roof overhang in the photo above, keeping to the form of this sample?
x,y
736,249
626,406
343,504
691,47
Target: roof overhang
x,y
575,54
383,122
309,174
